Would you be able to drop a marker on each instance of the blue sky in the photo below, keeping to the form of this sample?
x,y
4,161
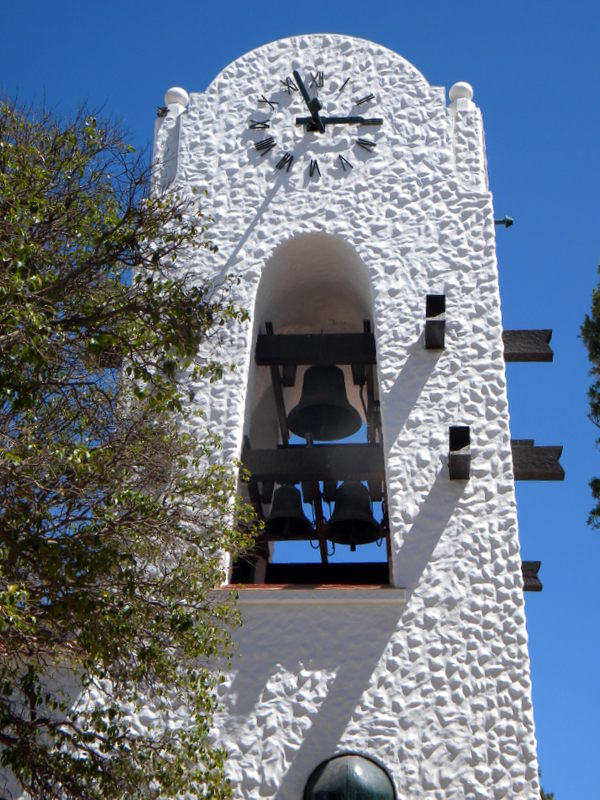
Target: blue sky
x,y
535,71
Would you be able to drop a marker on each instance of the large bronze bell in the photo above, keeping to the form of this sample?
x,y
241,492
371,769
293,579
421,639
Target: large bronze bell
x,y
352,521
287,519
324,410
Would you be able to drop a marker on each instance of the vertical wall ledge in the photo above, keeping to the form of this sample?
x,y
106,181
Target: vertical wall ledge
x,y
468,143
166,138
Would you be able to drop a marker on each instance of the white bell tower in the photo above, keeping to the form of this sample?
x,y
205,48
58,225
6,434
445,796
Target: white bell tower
x,y
351,198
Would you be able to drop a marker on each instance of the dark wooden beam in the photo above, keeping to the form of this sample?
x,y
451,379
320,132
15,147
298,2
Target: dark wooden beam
x,y
315,349
317,574
253,492
317,504
264,536
278,394
533,463
266,491
527,345
531,582
357,573
335,462
319,520
372,412
346,462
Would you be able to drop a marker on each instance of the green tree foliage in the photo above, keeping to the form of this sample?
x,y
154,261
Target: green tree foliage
x,y
111,520
590,333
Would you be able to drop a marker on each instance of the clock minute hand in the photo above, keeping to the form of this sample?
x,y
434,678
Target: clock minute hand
x,y
341,120
313,104
353,120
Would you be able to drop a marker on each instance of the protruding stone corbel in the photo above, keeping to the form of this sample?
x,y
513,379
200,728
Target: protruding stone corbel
x,y
435,321
531,582
534,463
527,345
459,457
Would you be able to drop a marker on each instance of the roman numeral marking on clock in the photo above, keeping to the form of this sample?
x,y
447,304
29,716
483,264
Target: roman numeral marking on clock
x,y
265,145
285,161
289,85
317,79
343,86
366,144
364,99
314,168
346,165
259,124
271,103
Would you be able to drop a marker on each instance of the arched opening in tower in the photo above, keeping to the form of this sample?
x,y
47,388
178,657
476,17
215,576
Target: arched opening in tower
x,y
312,441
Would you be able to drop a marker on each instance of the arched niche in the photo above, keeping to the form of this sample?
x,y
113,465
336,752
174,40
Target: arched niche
x,y
315,284
312,283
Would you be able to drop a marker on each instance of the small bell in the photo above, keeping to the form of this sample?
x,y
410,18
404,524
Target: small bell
x,y
287,519
324,410
352,521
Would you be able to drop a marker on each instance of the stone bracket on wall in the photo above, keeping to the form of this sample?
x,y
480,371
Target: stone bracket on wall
x,y
535,463
527,345
529,570
459,456
435,321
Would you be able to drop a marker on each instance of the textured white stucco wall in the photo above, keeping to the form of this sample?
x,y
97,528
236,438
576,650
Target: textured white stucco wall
x,y
432,681
435,685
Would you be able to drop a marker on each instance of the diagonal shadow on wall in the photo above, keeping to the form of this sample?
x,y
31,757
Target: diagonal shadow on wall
x,y
354,675
399,400
311,673
365,637
231,260
428,526
302,645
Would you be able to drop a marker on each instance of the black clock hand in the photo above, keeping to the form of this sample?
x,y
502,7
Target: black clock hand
x,y
302,88
342,120
353,120
313,104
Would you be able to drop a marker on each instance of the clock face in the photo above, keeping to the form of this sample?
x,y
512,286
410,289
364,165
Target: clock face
x,y
314,124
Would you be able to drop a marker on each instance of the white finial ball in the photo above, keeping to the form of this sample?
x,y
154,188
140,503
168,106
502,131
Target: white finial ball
x,y
459,90
176,95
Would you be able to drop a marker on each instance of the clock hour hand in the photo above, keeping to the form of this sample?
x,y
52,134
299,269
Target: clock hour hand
x,y
313,104
342,120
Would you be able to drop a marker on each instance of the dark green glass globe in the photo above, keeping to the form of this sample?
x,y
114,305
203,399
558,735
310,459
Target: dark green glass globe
x,y
349,777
